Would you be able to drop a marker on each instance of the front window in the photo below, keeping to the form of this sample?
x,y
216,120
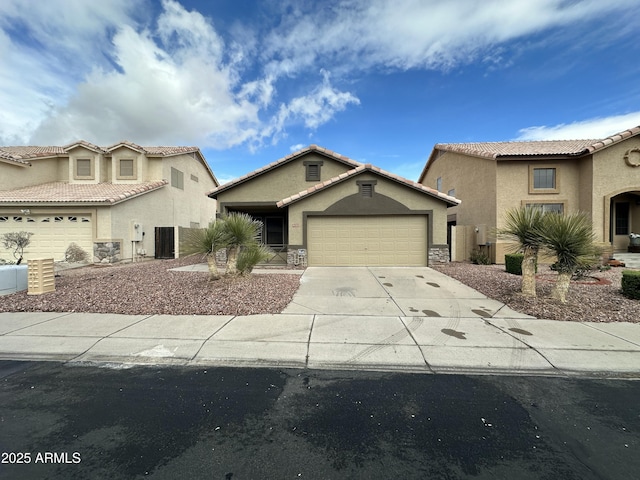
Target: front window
x,y
544,178
84,168
126,169
548,207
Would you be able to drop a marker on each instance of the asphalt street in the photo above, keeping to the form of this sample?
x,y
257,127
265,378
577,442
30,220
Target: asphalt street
x,y
68,421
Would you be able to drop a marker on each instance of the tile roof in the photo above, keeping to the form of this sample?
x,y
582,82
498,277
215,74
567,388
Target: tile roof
x,y
282,161
23,153
536,148
20,155
541,148
62,192
512,149
367,168
8,158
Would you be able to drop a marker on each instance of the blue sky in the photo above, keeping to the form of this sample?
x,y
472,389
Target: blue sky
x,y
379,81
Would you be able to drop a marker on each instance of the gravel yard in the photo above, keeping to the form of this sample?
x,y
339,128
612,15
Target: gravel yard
x,y
589,301
150,288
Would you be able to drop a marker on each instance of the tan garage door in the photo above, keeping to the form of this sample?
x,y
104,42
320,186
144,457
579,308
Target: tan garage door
x,y
398,240
52,234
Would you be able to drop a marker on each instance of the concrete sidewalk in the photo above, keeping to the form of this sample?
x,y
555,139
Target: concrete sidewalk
x,y
412,320
388,343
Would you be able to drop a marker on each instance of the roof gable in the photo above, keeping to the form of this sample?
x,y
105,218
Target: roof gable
x,y
283,161
368,168
83,144
125,144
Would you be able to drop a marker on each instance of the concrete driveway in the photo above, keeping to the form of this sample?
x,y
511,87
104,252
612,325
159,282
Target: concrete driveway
x,y
391,291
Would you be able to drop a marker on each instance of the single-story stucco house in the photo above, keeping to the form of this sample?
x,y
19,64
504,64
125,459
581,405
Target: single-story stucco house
x,y
117,202
600,177
326,209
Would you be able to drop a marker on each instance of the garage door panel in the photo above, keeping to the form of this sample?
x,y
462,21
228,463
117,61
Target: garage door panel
x,y
52,234
367,240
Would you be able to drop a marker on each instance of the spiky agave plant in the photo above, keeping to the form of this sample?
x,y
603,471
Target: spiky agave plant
x,y
241,231
570,239
206,242
523,227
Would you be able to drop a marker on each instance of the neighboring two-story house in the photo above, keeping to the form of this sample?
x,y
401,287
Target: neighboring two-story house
x,y
117,202
599,177
335,211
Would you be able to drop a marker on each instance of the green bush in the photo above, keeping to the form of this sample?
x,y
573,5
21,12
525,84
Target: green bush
x,y
631,284
480,258
252,255
513,263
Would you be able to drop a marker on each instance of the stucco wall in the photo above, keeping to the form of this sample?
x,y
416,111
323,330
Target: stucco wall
x,y
474,181
40,171
513,186
286,180
613,176
191,205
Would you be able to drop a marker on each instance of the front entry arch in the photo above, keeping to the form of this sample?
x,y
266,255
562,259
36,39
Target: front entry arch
x,y
624,219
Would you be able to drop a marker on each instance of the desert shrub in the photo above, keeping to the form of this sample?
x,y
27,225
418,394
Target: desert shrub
x,y
480,258
75,253
631,284
17,242
513,263
251,255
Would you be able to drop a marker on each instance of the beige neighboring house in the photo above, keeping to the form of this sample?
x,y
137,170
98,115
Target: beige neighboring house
x,y
320,207
118,202
599,177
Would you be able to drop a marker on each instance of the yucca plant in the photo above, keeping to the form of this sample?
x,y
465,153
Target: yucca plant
x,y
523,226
206,242
241,231
251,255
570,239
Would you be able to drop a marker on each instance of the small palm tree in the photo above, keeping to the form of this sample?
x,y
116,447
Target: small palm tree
x,y
241,231
207,242
570,239
522,225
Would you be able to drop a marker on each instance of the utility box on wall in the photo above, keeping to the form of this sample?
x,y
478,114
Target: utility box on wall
x,y
40,276
136,232
481,234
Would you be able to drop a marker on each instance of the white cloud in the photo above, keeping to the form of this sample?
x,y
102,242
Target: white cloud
x,y
595,128
314,109
407,34
107,71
